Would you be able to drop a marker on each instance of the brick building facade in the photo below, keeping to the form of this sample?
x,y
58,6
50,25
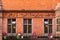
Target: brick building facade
x,y
28,17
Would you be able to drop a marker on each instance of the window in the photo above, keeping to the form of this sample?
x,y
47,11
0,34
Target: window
x,y
47,25
27,25
11,26
58,24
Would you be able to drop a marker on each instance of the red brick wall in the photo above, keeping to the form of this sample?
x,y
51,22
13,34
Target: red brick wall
x,y
4,25
37,22
38,26
19,25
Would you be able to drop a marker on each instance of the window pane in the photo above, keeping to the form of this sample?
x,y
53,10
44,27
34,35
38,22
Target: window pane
x,y
46,28
46,21
9,29
50,21
13,28
29,21
13,21
50,28
58,21
25,21
9,21
58,27
29,29
25,29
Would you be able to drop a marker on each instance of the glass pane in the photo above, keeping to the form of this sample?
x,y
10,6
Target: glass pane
x,y
13,21
50,21
46,28
13,28
50,28
9,29
9,21
29,29
25,21
25,29
29,21
46,25
58,21
46,21
58,28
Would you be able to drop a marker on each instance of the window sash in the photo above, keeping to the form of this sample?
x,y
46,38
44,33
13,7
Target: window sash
x,y
29,29
28,26
48,26
25,29
13,29
58,27
58,24
9,29
45,29
58,21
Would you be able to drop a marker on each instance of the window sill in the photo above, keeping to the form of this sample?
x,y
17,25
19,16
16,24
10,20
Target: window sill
x,y
11,34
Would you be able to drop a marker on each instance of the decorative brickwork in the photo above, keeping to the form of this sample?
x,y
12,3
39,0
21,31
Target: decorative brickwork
x,y
28,14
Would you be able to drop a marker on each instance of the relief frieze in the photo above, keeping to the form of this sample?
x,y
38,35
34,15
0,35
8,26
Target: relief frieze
x,y
28,15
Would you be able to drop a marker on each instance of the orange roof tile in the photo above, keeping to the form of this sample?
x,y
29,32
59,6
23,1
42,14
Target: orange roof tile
x,y
29,4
